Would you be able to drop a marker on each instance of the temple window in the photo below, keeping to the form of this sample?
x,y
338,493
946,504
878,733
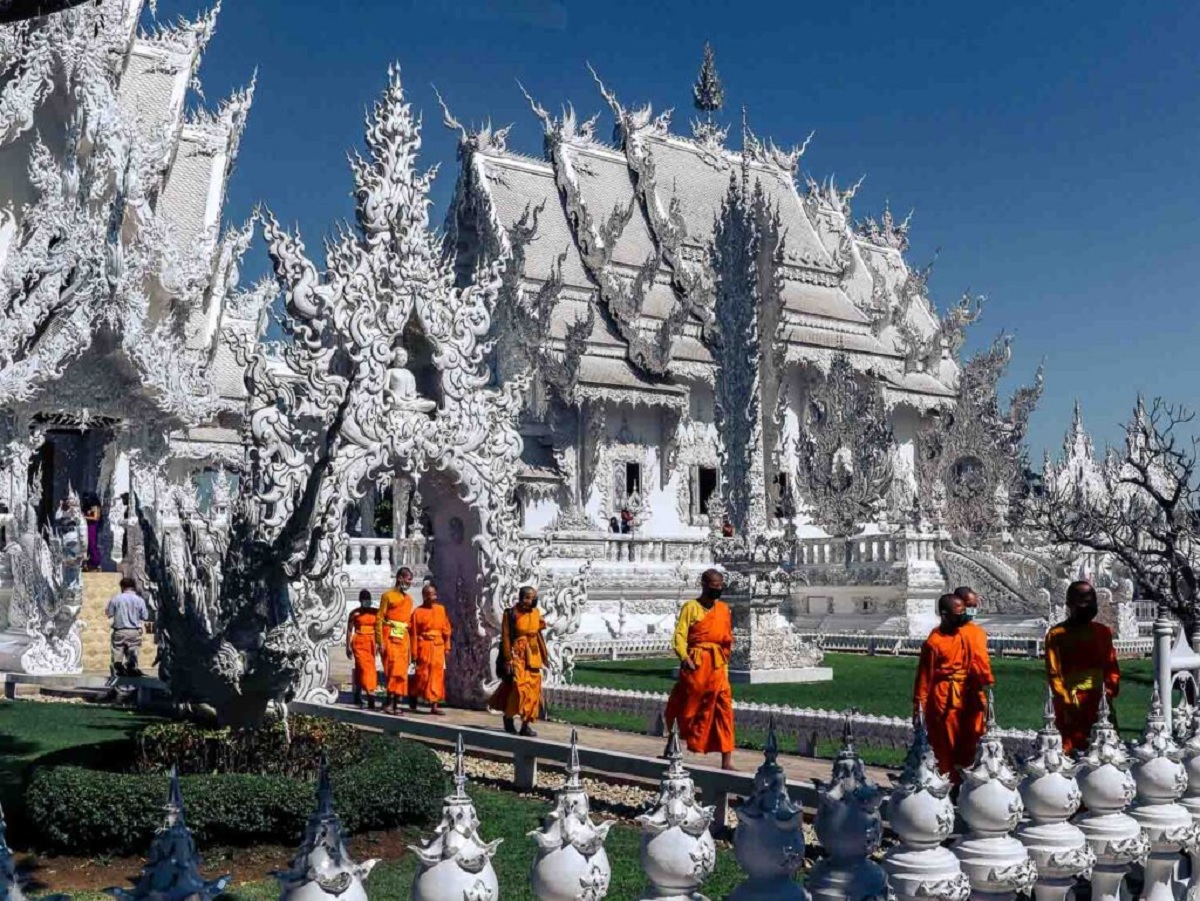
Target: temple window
x,y
633,479
706,483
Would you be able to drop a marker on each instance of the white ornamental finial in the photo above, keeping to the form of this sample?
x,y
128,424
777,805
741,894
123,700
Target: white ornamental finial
x,y
922,816
323,870
850,828
769,840
1060,850
571,863
456,863
1161,779
993,860
677,851
172,872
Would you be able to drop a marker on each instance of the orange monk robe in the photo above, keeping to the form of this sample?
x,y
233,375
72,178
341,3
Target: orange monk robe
x,y
361,631
975,702
429,630
951,671
702,701
526,649
391,632
1080,663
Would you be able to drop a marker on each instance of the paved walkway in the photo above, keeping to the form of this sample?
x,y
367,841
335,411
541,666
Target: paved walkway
x,y
799,769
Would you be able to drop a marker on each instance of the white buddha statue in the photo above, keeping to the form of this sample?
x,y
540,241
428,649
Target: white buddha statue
x,y
401,390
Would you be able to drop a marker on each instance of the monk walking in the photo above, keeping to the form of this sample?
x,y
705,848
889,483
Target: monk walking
x,y
391,633
1081,665
974,705
361,647
429,631
523,653
702,701
952,669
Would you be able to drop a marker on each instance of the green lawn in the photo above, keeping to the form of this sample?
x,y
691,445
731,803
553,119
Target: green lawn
x,y
877,685
31,731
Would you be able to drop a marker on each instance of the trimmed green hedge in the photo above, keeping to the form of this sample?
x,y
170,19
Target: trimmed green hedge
x,y
272,749
81,811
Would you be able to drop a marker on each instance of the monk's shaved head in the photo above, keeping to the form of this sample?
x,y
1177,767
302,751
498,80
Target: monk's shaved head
x,y
947,604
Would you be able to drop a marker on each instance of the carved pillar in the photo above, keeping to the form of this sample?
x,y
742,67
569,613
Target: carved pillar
x,y
1107,787
677,852
769,840
571,863
1161,779
1051,796
850,828
456,863
1191,799
997,865
922,816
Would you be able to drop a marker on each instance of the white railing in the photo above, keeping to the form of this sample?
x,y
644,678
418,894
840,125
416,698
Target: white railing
x,y
613,548
616,648
372,553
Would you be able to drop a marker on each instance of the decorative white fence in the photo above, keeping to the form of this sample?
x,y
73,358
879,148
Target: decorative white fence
x,y
1024,833
809,726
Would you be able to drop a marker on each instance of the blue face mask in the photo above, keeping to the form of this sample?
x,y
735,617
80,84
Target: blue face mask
x,y
970,613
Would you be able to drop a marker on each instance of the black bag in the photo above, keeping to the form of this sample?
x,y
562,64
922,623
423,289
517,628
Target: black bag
x,y
503,670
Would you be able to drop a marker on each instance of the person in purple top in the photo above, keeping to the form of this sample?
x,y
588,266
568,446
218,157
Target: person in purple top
x,y
128,613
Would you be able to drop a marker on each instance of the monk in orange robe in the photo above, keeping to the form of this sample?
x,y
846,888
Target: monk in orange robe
x,y
361,648
391,633
523,654
429,630
974,705
702,701
1081,664
951,670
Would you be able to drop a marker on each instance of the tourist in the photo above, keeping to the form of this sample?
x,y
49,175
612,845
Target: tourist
x,y
430,634
391,635
361,647
614,526
1080,664
128,613
626,521
523,653
951,670
93,515
974,707
726,529
702,701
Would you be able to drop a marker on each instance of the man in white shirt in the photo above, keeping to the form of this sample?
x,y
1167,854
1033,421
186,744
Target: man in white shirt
x,y
128,613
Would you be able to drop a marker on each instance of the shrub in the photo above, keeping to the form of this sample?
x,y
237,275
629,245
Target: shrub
x,y
268,750
77,810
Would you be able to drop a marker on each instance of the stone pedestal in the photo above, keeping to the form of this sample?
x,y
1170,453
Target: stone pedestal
x,y
765,646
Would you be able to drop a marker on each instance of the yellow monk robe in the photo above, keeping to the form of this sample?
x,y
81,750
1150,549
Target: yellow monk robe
x,y
391,631
975,703
526,649
950,672
429,630
702,701
361,629
1080,664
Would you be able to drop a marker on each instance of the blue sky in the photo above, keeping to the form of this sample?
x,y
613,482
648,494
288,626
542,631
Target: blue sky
x,y
1049,150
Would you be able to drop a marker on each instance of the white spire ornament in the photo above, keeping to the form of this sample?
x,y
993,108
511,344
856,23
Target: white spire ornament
x,y
1051,796
922,816
1161,779
456,863
850,829
1107,787
769,840
571,863
173,871
322,870
997,865
678,852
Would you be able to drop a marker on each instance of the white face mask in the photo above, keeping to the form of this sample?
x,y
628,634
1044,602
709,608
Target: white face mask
x,y
971,611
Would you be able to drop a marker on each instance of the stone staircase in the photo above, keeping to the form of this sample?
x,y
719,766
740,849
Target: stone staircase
x,y
97,589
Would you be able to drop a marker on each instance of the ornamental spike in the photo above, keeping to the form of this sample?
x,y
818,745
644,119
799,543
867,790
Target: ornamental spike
x,y
990,724
673,753
1156,706
848,730
324,788
573,769
460,769
1049,721
771,750
1104,712
174,805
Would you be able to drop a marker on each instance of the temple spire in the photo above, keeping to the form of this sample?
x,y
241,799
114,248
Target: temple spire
x,y
708,94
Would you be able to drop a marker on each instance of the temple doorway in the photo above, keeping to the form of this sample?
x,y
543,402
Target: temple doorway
x,y
69,459
450,526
